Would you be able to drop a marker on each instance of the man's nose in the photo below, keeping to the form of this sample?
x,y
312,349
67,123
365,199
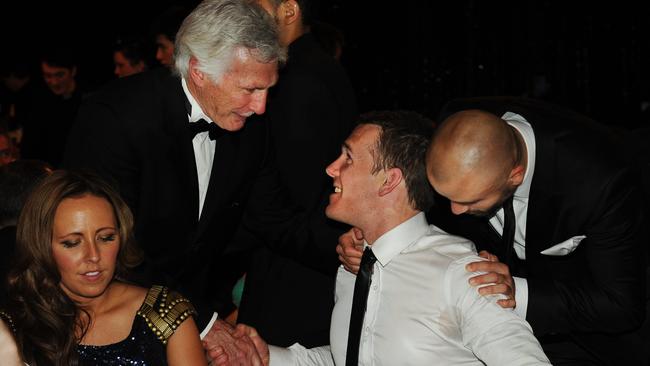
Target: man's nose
x,y
258,104
333,169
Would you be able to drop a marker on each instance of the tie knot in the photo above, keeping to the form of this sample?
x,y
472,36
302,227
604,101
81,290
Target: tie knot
x,y
205,126
368,258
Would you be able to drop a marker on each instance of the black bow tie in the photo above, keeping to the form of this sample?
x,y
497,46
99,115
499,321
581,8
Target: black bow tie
x,y
204,126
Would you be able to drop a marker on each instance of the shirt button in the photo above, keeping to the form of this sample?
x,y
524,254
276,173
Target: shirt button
x,y
375,287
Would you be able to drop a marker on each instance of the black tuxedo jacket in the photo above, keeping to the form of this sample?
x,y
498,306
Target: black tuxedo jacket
x,y
135,134
584,183
310,112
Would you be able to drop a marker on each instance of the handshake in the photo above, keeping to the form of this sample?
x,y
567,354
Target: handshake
x,y
226,345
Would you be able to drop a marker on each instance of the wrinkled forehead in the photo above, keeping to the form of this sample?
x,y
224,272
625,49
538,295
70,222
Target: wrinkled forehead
x,y
247,68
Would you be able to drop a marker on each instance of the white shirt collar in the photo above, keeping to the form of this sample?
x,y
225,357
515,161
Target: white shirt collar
x,y
526,131
197,112
394,241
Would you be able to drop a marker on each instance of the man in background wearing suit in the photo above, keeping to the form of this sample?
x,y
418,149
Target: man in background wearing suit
x,y
310,111
187,163
574,266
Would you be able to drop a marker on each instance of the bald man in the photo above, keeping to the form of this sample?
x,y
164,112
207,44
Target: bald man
x,y
576,268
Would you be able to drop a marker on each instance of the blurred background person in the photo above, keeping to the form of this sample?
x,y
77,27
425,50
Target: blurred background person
x,y
8,150
131,56
16,90
53,108
164,30
329,37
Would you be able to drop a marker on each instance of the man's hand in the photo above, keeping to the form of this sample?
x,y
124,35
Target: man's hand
x,y
232,317
350,249
245,331
497,280
223,348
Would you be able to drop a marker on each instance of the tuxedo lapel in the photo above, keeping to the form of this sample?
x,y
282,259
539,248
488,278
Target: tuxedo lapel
x,y
184,162
225,156
543,201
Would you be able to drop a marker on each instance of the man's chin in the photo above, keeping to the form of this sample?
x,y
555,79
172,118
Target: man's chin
x,y
232,125
330,212
236,123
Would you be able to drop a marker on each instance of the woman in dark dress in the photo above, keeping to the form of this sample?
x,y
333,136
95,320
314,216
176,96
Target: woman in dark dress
x,y
67,303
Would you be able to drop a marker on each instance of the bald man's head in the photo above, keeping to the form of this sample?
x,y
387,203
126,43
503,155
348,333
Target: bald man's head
x,y
475,160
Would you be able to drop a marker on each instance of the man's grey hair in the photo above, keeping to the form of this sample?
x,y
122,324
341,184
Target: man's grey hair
x,y
216,29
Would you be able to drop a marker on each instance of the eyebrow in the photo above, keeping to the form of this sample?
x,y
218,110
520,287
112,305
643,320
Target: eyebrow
x,y
98,230
347,147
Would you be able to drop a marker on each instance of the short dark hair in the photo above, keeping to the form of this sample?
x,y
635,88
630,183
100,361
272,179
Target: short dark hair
x,y
135,49
402,143
328,36
168,22
60,56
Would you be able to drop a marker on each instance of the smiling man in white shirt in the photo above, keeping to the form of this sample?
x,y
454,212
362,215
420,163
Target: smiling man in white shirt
x,y
420,308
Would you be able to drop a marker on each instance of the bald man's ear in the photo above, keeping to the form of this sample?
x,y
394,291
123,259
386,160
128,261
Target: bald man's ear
x,y
197,76
290,11
516,176
393,177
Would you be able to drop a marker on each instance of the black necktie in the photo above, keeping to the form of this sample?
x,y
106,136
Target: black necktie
x,y
508,236
359,301
203,126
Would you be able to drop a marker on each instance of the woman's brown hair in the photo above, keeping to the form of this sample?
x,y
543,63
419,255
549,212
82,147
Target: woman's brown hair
x,y
48,323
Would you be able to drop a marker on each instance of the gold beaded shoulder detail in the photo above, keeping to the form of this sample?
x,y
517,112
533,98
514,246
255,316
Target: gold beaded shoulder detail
x,y
8,320
164,311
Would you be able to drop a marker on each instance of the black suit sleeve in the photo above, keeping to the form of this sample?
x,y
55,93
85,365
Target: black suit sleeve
x,y
308,126
607,294
98,143
302,234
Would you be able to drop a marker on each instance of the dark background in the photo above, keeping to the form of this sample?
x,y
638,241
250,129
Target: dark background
x,y
417,54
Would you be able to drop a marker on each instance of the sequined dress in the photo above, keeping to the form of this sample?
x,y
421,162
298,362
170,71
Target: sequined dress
x,y
160,314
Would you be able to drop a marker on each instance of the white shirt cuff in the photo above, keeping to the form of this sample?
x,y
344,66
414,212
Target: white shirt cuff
x,y
211,322
280,356
521,296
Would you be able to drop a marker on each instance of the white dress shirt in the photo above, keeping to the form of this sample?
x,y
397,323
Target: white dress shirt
x,y
203,147
421,310
204,156
520,206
